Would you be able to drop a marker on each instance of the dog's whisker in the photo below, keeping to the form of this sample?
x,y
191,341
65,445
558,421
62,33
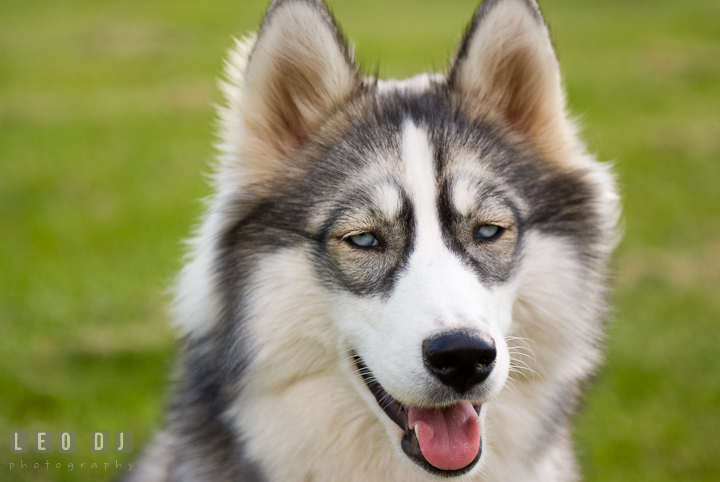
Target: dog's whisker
x,y
522,353
524,368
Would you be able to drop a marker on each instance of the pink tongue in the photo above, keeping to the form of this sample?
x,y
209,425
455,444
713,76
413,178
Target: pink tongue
x,y
449,437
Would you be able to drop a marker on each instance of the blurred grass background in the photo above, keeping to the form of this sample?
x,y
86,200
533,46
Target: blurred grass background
x,y
106,130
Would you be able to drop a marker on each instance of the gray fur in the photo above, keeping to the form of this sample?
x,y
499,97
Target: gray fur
x,y
307,208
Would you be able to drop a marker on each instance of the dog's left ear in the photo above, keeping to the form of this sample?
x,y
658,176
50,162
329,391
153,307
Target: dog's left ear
x,y
506,66
300,69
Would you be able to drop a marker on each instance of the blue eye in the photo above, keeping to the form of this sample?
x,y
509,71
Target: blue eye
x,y
364,240
488,231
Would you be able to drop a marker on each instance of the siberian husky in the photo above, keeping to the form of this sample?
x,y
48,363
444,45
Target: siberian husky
x,y
395,280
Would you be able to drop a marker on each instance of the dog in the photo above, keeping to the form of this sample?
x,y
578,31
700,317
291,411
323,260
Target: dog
x,y
394,280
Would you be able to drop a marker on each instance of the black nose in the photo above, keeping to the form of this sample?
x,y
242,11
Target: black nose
x,y
460,360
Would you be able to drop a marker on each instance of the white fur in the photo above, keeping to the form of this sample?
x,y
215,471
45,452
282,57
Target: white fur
x,y
546,356
416,84
304,414
436,293
196,306
465,193
313,407
387,199
290,323
317,404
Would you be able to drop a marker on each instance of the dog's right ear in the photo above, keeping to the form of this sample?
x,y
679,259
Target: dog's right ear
x,y
300,69
506,66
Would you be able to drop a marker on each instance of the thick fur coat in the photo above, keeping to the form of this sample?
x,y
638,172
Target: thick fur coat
x,y
386,260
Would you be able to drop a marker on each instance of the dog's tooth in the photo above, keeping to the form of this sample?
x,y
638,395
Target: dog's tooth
x,y
417,432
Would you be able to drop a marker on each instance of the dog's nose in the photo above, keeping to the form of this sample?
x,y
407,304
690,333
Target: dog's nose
x,y
460,360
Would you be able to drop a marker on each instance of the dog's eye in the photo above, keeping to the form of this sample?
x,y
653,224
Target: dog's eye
x,y
489,231
364,240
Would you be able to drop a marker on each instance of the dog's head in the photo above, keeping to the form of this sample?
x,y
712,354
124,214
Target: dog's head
x,y
415,203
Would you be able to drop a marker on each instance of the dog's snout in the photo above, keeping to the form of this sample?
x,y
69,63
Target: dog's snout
x,y
460,360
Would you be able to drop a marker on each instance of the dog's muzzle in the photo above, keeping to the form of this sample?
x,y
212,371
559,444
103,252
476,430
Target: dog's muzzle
x,y
444,440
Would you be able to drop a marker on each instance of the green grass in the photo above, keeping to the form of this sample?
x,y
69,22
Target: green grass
x,y
105,133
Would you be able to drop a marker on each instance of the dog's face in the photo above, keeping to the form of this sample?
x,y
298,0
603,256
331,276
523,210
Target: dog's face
x,y
413,202
422,259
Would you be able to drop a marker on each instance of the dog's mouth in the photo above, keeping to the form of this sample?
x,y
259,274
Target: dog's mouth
x,y
445,441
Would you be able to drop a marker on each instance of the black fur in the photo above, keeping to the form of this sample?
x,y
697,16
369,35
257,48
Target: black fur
x,y
536,194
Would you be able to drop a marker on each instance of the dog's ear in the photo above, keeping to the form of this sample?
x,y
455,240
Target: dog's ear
x,y
299,70
506,66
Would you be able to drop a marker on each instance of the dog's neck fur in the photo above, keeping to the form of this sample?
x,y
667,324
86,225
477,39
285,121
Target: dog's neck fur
x,y
268,391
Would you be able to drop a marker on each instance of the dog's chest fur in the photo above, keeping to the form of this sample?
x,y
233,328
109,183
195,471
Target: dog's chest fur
x,y
359,228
